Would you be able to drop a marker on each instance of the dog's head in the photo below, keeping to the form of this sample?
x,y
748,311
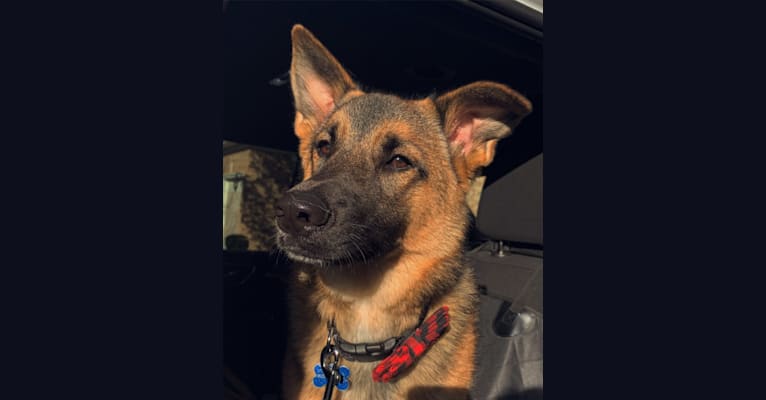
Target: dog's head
x,y
382,173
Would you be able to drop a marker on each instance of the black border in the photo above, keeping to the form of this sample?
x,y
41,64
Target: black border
x,y
650,172
116,232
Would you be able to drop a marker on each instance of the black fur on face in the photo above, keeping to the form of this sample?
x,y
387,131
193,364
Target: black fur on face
x,y
362,176
362,224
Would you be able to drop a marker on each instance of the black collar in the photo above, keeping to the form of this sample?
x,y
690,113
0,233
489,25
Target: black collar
x,y
365,352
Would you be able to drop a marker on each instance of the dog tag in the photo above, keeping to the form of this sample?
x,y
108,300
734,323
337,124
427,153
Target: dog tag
x,y
319,378
343,375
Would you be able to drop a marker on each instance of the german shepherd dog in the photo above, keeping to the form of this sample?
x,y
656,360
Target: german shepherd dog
x,y
382,303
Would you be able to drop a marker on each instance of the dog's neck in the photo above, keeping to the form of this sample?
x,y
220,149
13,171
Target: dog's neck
x,y
351,283
377,300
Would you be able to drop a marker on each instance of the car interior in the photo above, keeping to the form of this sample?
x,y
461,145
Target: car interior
x,y
412,49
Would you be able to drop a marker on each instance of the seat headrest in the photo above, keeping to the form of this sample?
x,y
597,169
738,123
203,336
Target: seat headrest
x,y
511,208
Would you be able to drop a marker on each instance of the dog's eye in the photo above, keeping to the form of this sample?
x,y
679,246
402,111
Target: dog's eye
x,y
323,148
399,163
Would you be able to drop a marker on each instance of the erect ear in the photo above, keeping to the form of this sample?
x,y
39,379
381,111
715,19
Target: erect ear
x,y
475,117
318,81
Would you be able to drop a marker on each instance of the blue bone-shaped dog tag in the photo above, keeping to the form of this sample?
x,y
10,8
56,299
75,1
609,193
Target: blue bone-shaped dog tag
x,y
320,379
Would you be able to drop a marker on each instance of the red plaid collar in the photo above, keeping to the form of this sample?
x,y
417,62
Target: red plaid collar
x,y
397,353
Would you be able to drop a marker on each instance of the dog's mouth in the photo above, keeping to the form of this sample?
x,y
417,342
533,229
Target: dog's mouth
x,y
312,250
305,259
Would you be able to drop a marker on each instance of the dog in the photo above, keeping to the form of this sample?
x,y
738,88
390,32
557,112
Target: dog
x,y
382,304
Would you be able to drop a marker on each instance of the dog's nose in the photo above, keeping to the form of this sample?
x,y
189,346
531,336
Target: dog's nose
x,y
297,211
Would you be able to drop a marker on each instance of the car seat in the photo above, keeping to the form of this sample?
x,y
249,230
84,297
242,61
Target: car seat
x,y
509,270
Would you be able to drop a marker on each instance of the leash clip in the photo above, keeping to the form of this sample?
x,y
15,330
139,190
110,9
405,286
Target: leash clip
x,y
329,371
332,333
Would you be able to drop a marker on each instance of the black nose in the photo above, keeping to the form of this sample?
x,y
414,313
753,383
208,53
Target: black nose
x,y
297,211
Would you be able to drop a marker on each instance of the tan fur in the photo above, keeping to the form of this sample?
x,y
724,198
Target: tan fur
x,y
385,298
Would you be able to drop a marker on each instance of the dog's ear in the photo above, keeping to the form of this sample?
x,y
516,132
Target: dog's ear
x,y
318,81
475,117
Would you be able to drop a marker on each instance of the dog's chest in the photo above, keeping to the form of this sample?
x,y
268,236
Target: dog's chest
x,y
363,387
